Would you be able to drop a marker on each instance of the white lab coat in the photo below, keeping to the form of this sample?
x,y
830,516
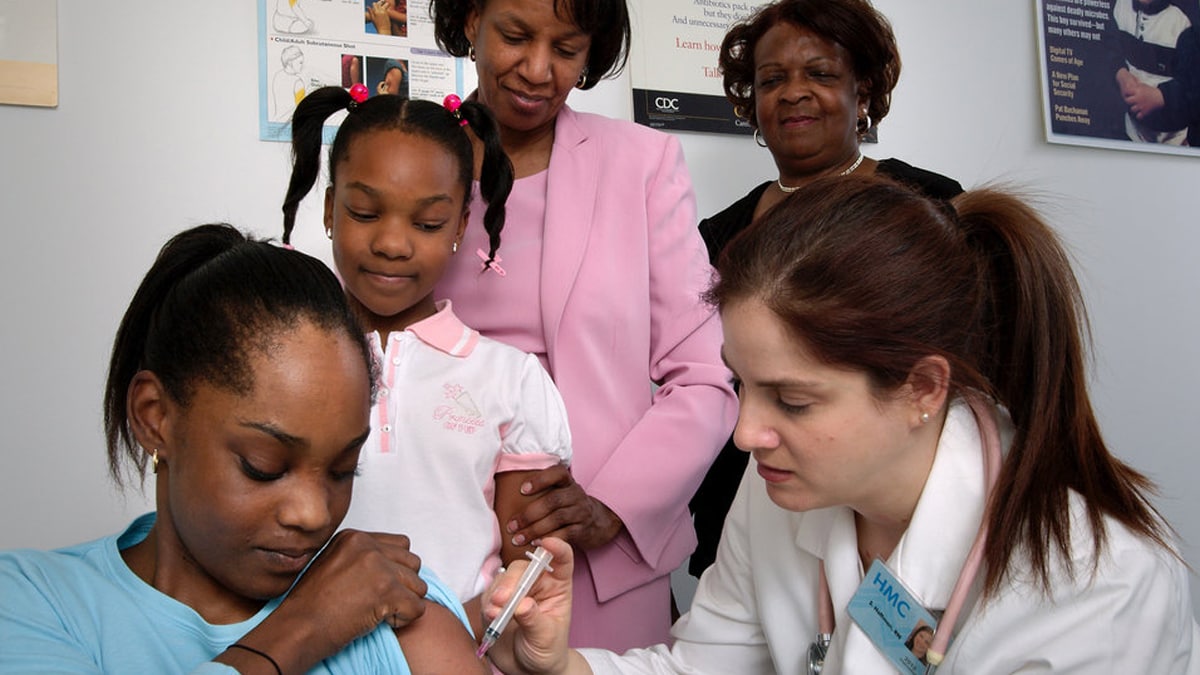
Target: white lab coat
x,y
755,610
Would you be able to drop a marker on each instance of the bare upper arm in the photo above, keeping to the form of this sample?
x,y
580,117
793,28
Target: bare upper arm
x,y
510,502
438,643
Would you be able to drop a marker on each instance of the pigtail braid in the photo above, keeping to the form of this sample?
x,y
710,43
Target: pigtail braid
x,y
307,127
496,175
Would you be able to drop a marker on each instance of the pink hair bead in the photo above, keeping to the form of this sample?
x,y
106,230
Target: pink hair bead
x,y
452,103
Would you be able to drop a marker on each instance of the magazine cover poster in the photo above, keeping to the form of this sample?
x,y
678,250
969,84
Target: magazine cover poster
x,y
1121,74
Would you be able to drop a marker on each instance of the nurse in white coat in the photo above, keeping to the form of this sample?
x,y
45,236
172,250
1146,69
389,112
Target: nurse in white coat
x,y
912,389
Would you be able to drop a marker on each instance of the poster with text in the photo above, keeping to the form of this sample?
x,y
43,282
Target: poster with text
x,y
1121,74
308,44
673,64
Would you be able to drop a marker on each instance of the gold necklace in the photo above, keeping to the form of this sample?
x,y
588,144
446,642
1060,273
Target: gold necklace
x,y
849,170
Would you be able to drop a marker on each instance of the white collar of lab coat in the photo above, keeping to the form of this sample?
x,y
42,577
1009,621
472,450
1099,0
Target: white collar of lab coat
x,y
930,555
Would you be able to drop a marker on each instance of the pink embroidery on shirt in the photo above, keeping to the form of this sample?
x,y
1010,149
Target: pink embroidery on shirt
x,y
463,416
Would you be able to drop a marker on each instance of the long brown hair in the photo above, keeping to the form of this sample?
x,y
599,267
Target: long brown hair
x,y
874,277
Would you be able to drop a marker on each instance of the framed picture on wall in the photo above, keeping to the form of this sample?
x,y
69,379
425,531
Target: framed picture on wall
x,y
673,64
677,84
29,52
308,44
1121,74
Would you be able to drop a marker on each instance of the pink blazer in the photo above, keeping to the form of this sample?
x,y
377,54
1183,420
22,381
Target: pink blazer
x,y
623,268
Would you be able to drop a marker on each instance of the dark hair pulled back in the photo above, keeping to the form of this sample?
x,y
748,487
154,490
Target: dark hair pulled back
x,y
874,277
212,298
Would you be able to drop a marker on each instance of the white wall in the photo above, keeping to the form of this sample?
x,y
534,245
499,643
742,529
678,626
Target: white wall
x,y
156,130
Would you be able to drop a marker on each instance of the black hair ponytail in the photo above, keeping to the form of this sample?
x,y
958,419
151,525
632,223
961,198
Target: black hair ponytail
x,y
177,259
308,123
213,297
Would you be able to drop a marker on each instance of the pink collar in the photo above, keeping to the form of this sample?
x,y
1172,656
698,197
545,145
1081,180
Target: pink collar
x,y
444,331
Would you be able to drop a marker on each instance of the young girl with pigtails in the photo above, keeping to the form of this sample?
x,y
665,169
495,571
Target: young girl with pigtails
x,y
460,419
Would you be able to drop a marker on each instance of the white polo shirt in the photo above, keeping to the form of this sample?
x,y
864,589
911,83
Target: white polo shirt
x,y
454,409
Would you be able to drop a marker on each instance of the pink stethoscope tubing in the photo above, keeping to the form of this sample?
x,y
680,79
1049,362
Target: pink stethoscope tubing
x,y
989,435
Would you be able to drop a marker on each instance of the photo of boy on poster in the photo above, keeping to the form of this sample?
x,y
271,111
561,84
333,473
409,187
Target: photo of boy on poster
x,y
1121,73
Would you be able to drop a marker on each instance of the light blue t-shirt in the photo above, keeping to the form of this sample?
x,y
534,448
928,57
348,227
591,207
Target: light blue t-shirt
x,y
82,610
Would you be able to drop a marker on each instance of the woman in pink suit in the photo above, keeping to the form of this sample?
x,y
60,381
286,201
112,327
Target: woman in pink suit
x,y
601,278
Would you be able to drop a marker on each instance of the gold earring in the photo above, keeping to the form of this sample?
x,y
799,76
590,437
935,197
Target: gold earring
x,y
864,124
471,52
154,461
329,233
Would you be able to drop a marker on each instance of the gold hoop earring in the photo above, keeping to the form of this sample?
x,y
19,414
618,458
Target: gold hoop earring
x,y
582,78
471,52
759,139
154,461
864,124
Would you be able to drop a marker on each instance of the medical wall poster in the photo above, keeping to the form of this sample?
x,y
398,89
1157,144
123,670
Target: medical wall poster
x,y
29,52
673,63
308,44
1121,74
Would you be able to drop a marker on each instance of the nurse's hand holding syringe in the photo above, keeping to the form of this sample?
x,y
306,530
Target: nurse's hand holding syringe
x,y
536,642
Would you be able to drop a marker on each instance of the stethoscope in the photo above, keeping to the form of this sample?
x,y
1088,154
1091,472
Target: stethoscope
x,y
989,435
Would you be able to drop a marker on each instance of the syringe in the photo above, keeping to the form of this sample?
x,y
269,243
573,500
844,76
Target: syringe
x,y
539,560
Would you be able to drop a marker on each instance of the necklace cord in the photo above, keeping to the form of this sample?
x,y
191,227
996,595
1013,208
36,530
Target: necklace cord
x,y
825,609
989,436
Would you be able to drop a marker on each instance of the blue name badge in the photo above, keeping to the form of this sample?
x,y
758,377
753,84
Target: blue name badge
x,y
899,626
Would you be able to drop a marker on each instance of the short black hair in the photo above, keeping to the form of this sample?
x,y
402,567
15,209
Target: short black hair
x,y
854,24
606,22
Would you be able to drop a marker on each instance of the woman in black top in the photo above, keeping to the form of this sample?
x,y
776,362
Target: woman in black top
x,y
811,77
